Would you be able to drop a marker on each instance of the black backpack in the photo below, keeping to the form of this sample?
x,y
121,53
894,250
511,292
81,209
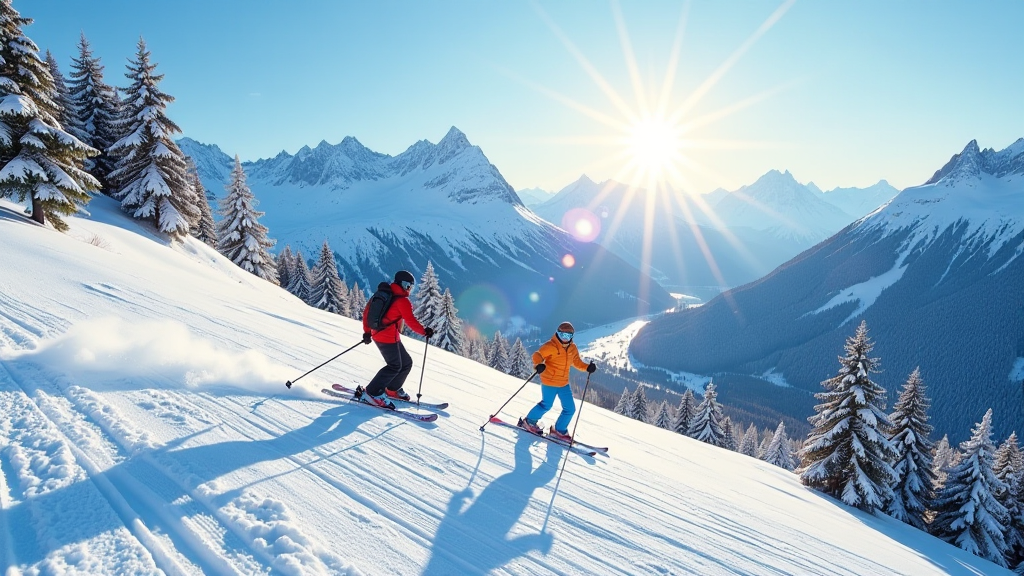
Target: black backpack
x,y
378,307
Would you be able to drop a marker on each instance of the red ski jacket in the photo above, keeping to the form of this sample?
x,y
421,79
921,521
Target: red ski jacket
x,y
400,312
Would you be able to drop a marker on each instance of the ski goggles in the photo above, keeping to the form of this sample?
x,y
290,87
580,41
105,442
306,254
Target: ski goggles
x,y
564,336
407,286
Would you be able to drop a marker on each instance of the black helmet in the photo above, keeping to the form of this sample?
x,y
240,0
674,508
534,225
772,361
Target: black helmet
x,y
404,276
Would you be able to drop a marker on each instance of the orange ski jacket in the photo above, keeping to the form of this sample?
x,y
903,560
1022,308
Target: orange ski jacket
x,y
557,358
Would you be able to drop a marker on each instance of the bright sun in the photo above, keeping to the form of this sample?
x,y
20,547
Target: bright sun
x,y
654,146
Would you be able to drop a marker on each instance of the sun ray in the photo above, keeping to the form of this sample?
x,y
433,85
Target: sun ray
x,y
673,62
582,108
722,69
589,68
724,112
627,52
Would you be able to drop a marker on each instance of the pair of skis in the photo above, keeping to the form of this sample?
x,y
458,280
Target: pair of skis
x,y
576,446
349,394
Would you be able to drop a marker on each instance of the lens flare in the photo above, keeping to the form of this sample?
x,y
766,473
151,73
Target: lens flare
x,y
568,260
583,224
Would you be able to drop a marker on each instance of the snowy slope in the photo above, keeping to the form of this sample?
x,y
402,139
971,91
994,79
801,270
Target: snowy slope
x,y
859,202
444,203
145,429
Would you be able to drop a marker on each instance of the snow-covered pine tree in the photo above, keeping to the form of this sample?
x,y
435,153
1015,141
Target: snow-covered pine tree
x,y
848,453
748,445
302,279
285,264
967,513
39,161
663,417
151,178
243,240
428,299
778,452
624,402
497,358
94,117
61,97
684,413
449,330
766,441
914,488
520,360
1008,466
204,230
706,424
326,289
944,456
729,436
357,301
477,349
638,409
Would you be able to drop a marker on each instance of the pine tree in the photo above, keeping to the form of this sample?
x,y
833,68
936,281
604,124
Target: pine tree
x,y
39,161
624,402
243,240
915,482
61,97
638,405
520,360
302,279
944,456
684,414
766,441
848,452
706,424
478,345
749,444
497,358
94,117
285,265
151,178
729,439
449,330
428,299
778,452
326,289
204,230
663,418
967,513
357,300
1008,466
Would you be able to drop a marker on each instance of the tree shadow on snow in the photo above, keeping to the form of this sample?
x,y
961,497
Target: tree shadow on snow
x,y
476,540
158,487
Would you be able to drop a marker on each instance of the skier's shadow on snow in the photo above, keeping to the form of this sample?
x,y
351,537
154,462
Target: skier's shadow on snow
x,y
476,539
77,512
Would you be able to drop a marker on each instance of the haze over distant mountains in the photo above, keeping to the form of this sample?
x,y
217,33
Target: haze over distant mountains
x,y
444,203
717,240
937,275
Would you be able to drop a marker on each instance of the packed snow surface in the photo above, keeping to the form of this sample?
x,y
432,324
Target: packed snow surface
x,y
145,429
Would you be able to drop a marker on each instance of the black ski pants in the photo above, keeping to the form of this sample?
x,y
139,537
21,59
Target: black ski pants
x,y
392,376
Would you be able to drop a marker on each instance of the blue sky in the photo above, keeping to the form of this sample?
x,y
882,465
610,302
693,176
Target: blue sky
x,y
839,93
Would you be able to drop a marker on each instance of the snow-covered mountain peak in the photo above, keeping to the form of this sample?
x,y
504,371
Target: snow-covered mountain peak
x,y
972,162
978,193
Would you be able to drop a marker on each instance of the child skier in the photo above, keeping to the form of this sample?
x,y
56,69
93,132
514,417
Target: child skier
x,y
552,362
391,377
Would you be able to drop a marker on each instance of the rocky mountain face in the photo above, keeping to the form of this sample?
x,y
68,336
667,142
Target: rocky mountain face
x,y
937,274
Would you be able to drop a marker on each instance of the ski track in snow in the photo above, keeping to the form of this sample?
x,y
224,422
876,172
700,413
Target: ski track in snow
x,y
145,429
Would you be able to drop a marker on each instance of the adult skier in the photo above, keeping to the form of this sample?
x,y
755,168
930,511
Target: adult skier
x,y
389,379
552,361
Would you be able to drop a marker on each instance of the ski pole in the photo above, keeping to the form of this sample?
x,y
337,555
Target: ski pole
x,y
509,400
423,369
289,383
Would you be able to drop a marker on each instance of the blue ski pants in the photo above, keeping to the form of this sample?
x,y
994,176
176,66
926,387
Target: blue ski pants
x,y
547,401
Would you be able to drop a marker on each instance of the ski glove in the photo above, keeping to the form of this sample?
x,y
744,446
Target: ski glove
x,y
540,368
366,338
428,331
592,368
